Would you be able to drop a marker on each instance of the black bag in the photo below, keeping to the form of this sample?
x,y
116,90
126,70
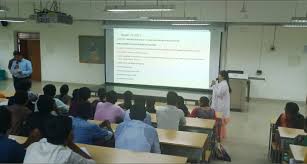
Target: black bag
x,y
220,153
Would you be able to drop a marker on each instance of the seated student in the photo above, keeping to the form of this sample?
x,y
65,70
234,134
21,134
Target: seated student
x,y
86,132
84,95
25,85
140,102
63,96
136,135
102,98
19,112
58,146
108,110
170,117
50,90
150,105
128,95
203,111
74,102
36,120
182,106
291,118
10,150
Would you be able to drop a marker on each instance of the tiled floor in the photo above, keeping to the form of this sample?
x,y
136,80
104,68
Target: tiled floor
x,y
248,133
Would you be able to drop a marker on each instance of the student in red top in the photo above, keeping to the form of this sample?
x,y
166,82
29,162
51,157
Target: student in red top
x,y
203,111
291,118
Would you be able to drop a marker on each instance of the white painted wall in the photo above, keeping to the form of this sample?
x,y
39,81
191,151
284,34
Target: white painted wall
x,y
285,69
59,50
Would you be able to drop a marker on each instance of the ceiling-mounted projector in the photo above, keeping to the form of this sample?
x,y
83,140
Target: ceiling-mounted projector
x,y
47,16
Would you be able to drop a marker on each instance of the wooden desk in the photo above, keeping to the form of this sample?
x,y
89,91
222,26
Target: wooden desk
x,y
298,152
290,133
7,93
112,155
192,122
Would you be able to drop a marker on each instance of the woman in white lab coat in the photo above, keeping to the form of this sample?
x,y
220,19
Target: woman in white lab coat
x,y
221,100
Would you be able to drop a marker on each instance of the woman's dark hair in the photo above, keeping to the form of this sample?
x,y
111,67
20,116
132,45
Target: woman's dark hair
x,y
182,106
21,97
5,120
58,129
102,94
224,74
84,93
45,104
137,111
292,108
204,101
75,95
111,97
49,90
64,90
83,109
150,104
128,96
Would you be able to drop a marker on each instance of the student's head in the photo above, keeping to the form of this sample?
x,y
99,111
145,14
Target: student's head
x,y
128,95
64,89
58,129
150,102
84,93
75,94
21,97
137,111
291,110
49,90
18,56
111,97
24,85
45,104
223,75
82,111
5,120
171,98
204,101
15,54
102,94
180,101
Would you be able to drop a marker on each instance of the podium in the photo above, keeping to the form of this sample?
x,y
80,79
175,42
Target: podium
x,y
239,96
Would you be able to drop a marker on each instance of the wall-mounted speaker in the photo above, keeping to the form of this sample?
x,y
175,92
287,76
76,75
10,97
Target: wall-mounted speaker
x,y
4,23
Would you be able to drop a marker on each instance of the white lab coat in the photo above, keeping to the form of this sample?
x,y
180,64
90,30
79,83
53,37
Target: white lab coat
x,y
221,98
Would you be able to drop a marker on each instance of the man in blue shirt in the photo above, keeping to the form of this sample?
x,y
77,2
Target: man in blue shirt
x,y
89,133
21,69
136,135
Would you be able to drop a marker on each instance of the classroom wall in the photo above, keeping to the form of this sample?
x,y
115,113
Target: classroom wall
x,y
59,50
284,70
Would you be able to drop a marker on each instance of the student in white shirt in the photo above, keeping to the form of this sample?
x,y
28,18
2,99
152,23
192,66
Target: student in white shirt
x,y
58,146
221,99
169,116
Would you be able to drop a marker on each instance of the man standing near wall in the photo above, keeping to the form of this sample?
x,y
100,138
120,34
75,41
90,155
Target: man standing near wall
x,y
12,60
21,68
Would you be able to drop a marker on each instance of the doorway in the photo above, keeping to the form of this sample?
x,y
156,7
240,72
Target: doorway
x,y
29,45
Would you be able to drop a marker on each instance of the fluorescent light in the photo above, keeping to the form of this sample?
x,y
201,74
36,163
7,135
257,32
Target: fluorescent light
x,y
299,19
295,25
140,8
172,19
13,20
190,24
